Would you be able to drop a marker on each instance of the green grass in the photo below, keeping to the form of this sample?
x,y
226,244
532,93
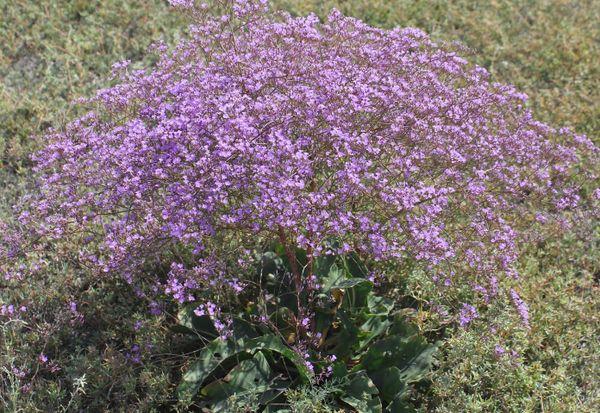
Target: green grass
x,y
558,360
54,51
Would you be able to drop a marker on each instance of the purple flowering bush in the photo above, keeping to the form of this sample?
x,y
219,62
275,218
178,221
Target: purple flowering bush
x,y
325,138
330,137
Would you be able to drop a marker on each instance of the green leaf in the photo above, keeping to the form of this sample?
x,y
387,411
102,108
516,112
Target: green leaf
x,y
356,291
334,276
361,394
223,355
217,353
402,328
243,382
275,392
323,264
354,266
190,323
346,339
250,373
371,329
400,406
379,305
242,329
390,382
411,355
339,370
350,283
274,343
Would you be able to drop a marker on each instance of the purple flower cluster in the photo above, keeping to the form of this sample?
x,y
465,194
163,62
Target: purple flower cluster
x,y
9,310
265,126
521,306
467,314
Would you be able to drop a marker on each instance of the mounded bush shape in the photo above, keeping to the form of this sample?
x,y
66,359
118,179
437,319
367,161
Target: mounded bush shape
x,y
328,138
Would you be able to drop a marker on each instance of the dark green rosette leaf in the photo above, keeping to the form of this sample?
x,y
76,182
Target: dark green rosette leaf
x,y
217,354
333,277
362,394
274,343
371,329
378,305
354,291
399,405
241,384
412,356
390,383
189,323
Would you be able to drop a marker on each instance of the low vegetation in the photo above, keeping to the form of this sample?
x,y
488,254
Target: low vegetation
x,y
72,341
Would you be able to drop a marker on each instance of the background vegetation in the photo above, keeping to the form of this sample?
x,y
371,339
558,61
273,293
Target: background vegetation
x,y
54,51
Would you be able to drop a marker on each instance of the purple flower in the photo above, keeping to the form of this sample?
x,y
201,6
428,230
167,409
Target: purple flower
x,y
499,351
467,314
521,306
155,308
389,143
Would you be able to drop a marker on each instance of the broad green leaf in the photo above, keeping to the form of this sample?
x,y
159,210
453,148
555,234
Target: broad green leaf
x,y
242,329
323,264
217,353
275,392
339,370
250,373
346,339
419,365
190,323
362,394
371,329
354,266
356,291
390,382
412,356
221,354
379,305
401,327
274,343
350,283
243,382
334,276
399,405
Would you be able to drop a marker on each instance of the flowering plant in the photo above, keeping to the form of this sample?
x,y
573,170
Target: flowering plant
x,y
359,344
326,137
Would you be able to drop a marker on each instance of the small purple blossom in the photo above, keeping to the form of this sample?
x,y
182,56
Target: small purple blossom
x,y
467,314
499,351
134,355
155,308
521,306
20,373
